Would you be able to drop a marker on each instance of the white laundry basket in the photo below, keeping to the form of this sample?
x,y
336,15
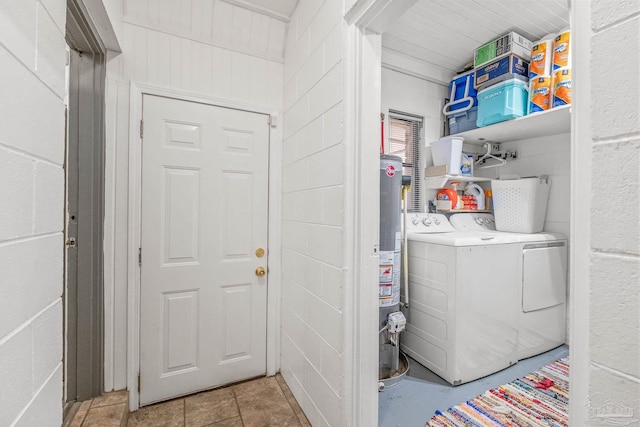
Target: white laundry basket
x,y
520,205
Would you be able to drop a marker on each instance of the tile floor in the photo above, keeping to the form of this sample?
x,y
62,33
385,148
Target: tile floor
x,y
110,409
258,403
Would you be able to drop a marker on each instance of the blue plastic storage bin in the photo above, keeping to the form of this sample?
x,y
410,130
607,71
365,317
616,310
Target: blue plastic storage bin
x,y
463,122
504,101
462,94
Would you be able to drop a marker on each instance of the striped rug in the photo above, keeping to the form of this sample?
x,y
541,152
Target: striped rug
x,y
538,399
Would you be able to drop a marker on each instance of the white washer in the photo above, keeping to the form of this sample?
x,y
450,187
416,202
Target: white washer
x,y
459,324
542,280
465,287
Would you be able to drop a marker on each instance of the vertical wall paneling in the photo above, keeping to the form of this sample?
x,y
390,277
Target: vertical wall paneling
x,y
175,62
239,35
196,16
186,64
140,53
222,22
175,11
111,92
207,19
155,53
116,238
185,15
260,28
217,23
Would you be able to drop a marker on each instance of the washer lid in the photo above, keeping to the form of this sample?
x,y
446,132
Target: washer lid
x,y
462,238
477,238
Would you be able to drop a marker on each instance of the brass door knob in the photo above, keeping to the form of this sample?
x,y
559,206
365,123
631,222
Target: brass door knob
x,y
260,271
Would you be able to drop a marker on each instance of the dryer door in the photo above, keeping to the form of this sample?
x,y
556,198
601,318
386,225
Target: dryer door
x,y
544,275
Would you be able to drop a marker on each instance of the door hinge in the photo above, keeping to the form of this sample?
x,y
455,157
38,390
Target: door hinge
x,y
138,383
141,129
139,256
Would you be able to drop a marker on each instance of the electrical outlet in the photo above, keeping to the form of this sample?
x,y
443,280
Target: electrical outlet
x,y
495,147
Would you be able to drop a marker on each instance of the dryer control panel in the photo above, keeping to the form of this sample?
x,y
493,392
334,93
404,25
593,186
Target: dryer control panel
x,y
428,223
473,221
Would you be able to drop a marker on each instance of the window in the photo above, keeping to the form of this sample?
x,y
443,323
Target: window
x,y
404,141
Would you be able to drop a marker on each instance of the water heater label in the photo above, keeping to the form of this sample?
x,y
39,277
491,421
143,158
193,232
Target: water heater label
x,y
386,274
391,171
389,278
385,292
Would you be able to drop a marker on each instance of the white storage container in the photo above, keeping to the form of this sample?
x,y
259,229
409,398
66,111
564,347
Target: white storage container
x,y
448,151
520,205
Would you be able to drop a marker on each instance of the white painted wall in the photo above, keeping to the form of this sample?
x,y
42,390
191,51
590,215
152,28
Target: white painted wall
x,y
115,10
314,262
419,97
549,155
32,145
607,322
210,49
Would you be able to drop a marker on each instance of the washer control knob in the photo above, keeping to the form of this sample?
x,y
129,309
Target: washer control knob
x,y
436,221
415,221
426,221
479,220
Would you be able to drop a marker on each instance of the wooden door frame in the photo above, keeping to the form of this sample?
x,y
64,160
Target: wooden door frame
x,y
135,217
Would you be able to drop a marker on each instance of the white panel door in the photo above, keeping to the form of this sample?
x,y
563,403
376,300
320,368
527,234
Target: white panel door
x,y
204,215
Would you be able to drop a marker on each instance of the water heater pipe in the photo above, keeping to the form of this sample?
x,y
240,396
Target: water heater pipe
x,y
381,133
405,256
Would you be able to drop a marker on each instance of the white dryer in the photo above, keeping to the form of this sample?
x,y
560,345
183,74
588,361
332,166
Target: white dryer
x,y
541,278
465,318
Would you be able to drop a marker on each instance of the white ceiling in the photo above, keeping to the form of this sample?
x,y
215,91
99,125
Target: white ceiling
x,y
445,33
282,8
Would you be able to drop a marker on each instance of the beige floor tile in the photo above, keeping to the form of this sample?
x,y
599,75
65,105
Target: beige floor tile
x,y
79,417
213,406
292,401
112,398
266,409
259,403
105,416
231,422
280,379
167,414
266,385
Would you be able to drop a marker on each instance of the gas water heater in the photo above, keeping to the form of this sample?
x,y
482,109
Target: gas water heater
x,y
391,319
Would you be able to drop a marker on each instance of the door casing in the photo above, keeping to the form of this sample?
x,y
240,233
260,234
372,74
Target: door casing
x,y
84,209
134,221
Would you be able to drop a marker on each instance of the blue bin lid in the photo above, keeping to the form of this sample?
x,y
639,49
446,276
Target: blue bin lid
x,y
509,82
